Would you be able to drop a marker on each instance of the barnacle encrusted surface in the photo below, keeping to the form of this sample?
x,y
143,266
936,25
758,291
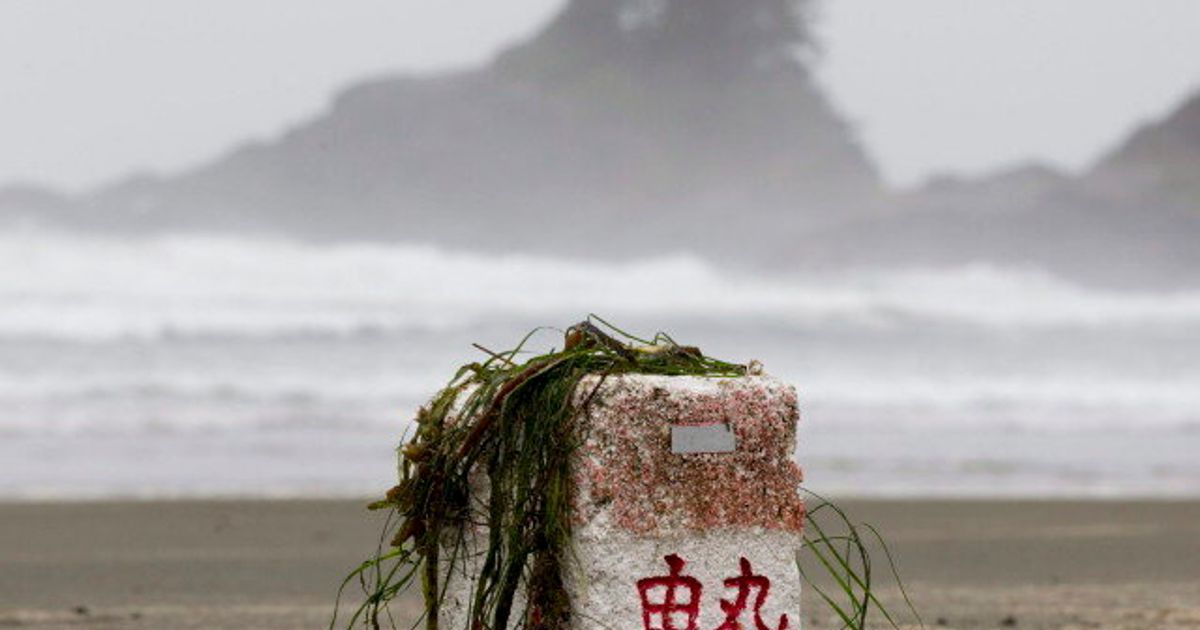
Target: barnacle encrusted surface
x,y
521,469
635,501
627,467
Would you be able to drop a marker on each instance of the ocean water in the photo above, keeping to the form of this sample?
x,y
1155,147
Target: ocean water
x,y
218,366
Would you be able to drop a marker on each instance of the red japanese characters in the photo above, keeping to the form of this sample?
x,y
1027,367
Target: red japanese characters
x,y
672,601
744,583
662,606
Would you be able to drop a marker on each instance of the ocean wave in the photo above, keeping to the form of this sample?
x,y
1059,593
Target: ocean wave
x,y
194,363
83,288
222,401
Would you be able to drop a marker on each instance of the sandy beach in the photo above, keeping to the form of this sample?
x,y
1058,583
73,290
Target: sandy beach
x,y
276,564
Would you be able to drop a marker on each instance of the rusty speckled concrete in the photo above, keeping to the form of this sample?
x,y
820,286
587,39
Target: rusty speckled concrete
x,y
638,504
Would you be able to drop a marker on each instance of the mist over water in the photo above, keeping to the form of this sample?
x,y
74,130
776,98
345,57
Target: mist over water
x,y
200,365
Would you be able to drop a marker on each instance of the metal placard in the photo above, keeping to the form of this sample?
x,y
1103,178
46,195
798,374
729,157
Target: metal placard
x,y
706,438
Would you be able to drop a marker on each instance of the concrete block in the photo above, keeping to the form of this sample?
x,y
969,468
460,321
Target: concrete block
x,y
687,514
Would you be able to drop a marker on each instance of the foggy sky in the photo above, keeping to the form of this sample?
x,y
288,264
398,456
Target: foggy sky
x,y
90,91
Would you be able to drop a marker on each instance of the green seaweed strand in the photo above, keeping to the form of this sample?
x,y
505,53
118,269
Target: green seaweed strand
x,y
512,421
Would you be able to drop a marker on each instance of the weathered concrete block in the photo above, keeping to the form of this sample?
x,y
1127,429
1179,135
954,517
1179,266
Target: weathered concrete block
x,y
687,514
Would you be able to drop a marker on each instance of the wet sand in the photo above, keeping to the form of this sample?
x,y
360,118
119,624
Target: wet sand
x,y
277,564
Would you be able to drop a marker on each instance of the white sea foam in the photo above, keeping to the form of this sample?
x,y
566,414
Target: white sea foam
x,y
120,358
71,287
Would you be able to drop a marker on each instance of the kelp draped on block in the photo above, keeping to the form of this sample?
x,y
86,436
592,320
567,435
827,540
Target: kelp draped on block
x,y
510,426
511,421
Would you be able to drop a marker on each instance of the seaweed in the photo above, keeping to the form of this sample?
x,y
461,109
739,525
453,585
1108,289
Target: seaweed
x,y
839,547
510,419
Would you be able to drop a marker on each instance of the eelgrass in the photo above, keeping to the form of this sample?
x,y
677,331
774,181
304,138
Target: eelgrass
x,y
840,551
511,420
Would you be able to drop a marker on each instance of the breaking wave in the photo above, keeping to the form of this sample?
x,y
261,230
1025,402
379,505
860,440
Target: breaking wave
x,y
202,364
89,288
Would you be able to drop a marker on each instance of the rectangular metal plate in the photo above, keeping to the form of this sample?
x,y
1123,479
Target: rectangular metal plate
x,y
708,438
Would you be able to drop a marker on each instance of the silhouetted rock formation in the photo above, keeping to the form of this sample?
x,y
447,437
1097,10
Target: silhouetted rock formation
x,y
622,125
647,126
1159,164
1133,220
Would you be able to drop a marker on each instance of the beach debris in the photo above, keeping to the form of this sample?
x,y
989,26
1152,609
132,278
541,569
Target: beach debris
x,y
545,491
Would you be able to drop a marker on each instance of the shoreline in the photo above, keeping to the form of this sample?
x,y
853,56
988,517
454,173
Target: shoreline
x,y
276,563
